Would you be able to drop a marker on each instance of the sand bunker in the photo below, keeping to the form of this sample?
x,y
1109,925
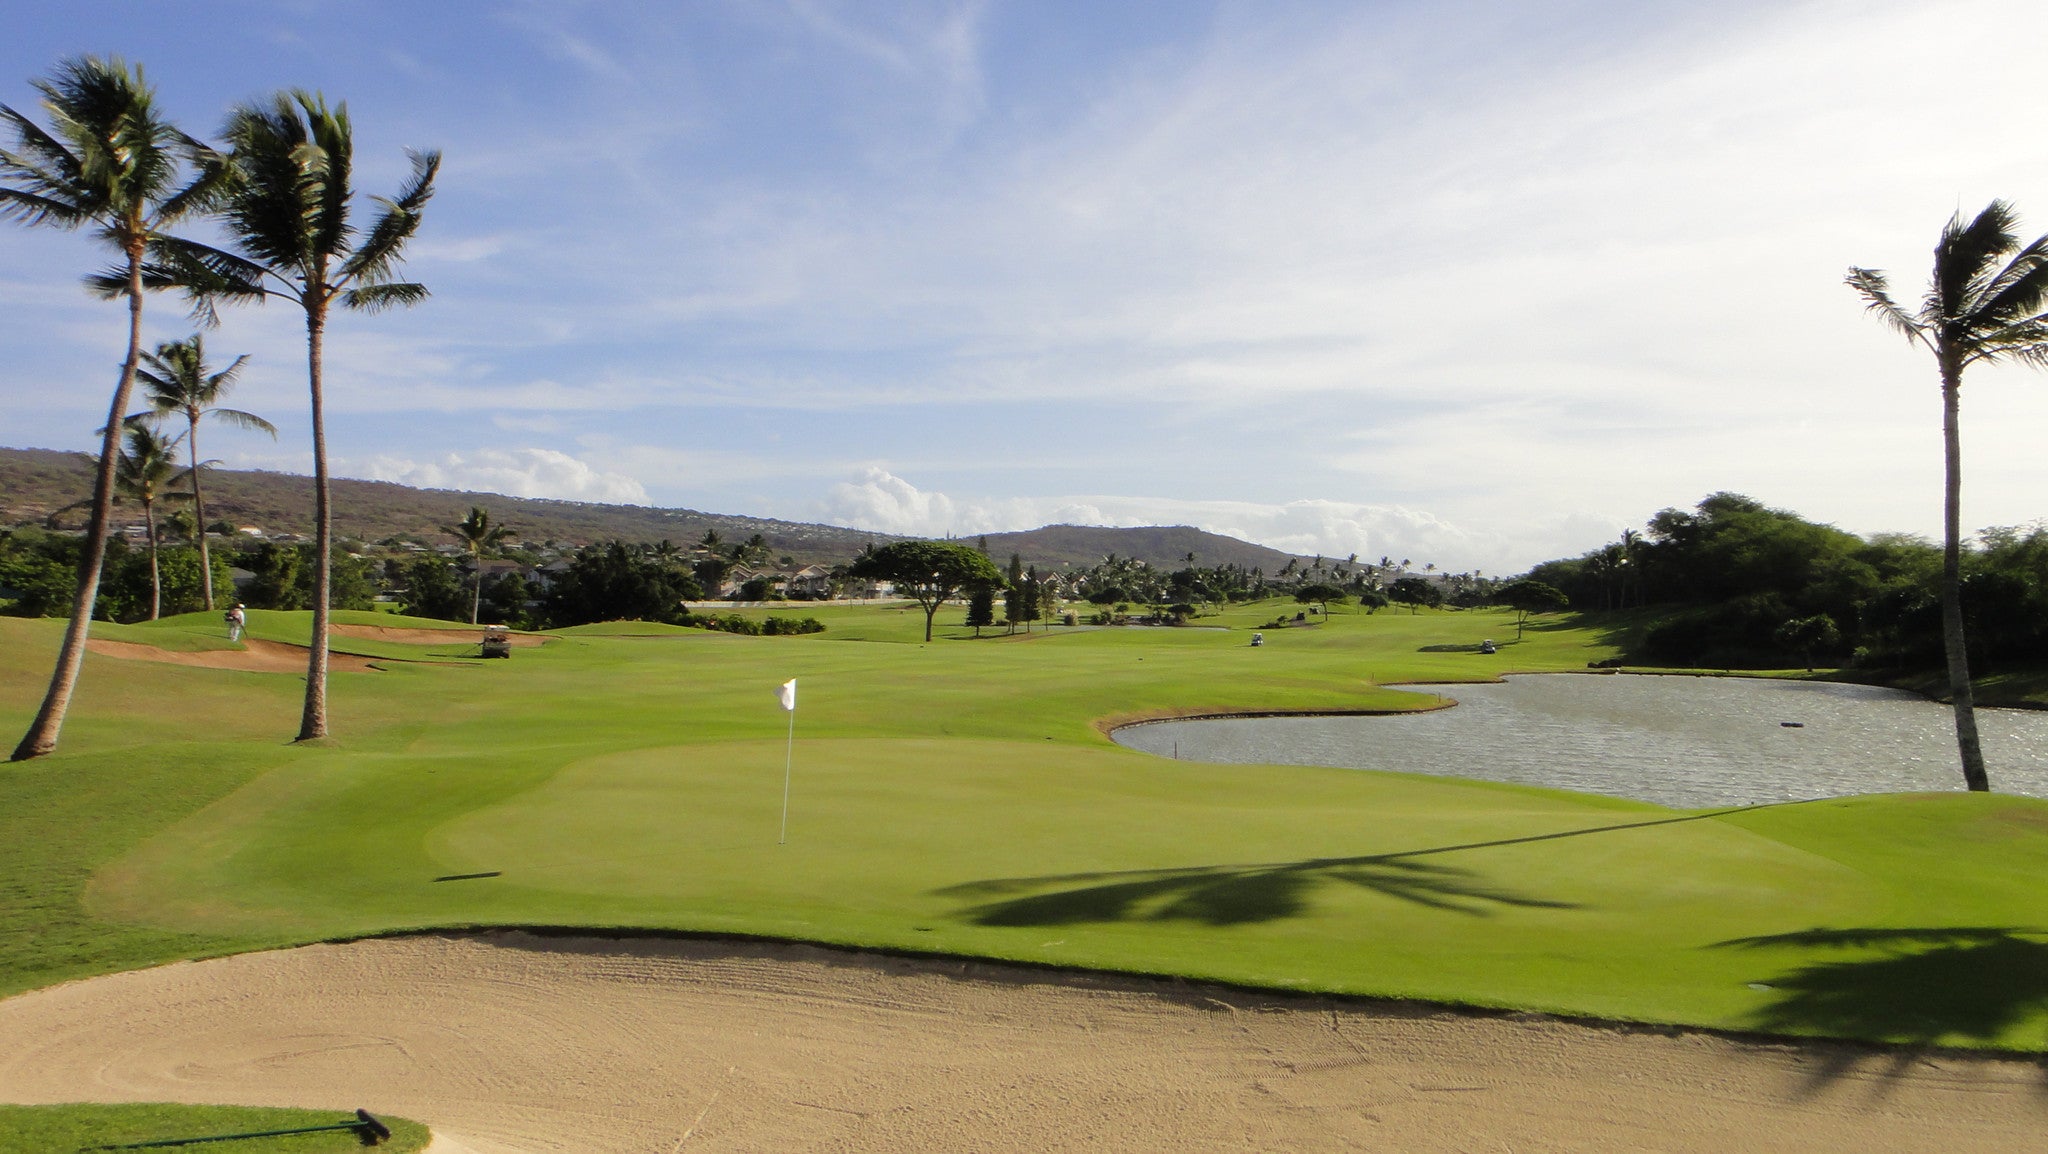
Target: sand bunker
x,y
511,1042
256,657
430,636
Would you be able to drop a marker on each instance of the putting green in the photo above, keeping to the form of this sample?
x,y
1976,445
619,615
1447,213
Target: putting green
x,y
959,797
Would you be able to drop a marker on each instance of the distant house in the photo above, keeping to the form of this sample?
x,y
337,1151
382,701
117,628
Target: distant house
x,y
812,581
494,568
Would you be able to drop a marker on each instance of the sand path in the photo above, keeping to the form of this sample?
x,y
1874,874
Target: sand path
x,y
255,656
511,1042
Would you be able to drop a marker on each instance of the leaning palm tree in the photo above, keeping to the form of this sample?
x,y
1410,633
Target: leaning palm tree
x,y
109,160
478,534
289,219
145,472
1987,301
177,381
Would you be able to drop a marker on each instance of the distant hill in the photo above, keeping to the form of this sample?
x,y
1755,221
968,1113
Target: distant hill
x,y
1160,546
36,482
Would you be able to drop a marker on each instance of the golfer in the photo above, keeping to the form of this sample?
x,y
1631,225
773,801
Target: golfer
x,y
236,619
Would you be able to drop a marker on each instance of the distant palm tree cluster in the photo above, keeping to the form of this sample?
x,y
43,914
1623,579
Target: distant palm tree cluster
x,y
279,184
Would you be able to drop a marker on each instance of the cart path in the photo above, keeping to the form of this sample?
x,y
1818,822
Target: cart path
x,y
514,1042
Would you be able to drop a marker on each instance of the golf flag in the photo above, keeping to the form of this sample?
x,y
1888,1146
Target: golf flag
x,y
788,696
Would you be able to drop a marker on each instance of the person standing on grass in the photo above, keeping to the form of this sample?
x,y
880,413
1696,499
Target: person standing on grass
x,y
236,620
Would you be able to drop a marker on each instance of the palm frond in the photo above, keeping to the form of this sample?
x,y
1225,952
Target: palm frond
x,y
1964,256
213,179
1877,298
242,420
2019,289
377,298
2025,342
36,209
375,257
277,182
41,157
329,132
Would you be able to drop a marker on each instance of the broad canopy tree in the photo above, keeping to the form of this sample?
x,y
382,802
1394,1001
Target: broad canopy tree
x,y
928,572
1321,593
1526,597
1986,301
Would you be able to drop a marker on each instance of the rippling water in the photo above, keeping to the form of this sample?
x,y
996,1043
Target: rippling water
x,y
1688,742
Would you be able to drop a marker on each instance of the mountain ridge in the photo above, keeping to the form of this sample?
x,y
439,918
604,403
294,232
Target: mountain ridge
x,y
36,483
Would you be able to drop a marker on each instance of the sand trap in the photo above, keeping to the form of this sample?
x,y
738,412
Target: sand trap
x,y
431,636
510,1042
256,657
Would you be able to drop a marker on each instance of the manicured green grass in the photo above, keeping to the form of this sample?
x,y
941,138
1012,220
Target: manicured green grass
x,y
61,1129
959,797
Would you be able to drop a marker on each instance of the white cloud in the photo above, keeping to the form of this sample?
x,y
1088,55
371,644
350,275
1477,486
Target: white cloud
x,y
514,472
880,500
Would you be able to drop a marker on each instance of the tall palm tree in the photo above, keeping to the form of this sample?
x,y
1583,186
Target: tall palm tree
x,y
1987,301
478,534
111,161
145,471
1631,545
289,219
177,381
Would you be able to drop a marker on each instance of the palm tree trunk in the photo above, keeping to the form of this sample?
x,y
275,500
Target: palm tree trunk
x,y
156,580
476,595
1952,586
199,509
41,737
313,722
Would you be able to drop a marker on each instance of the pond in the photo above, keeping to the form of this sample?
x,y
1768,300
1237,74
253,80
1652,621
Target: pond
x,y
1687,742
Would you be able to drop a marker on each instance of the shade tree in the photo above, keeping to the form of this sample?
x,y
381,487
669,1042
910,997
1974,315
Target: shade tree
x,y
928,572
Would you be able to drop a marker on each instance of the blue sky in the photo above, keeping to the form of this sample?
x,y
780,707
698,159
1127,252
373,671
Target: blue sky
x,y
1470,283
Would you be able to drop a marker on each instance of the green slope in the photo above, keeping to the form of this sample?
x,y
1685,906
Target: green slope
x,y
959,797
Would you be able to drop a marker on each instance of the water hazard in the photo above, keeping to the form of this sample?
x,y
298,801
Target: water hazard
x,y
1687,742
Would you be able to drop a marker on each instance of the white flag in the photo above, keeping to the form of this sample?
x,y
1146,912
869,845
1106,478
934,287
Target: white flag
x,y
788,694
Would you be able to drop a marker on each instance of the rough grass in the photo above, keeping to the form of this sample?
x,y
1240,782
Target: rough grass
x,y
959,797
54,1129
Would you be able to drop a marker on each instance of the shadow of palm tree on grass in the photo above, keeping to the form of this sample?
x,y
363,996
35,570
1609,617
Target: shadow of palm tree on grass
x,y
1228,895
1923,987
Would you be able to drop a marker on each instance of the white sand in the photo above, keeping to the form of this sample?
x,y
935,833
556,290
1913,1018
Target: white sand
x,y
511,1042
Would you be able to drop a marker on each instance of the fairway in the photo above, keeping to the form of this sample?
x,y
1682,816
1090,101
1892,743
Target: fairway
x,y
960,798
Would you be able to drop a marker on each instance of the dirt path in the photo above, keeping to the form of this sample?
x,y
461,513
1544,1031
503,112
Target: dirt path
x,y
255,657
510,1042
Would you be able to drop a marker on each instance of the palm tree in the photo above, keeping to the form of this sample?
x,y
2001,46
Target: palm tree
x,y
1631,544
478,534
1984,303
177,381
289,218
145,472
108,160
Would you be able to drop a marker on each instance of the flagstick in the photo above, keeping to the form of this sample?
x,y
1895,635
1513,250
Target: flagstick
x,y
787,758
